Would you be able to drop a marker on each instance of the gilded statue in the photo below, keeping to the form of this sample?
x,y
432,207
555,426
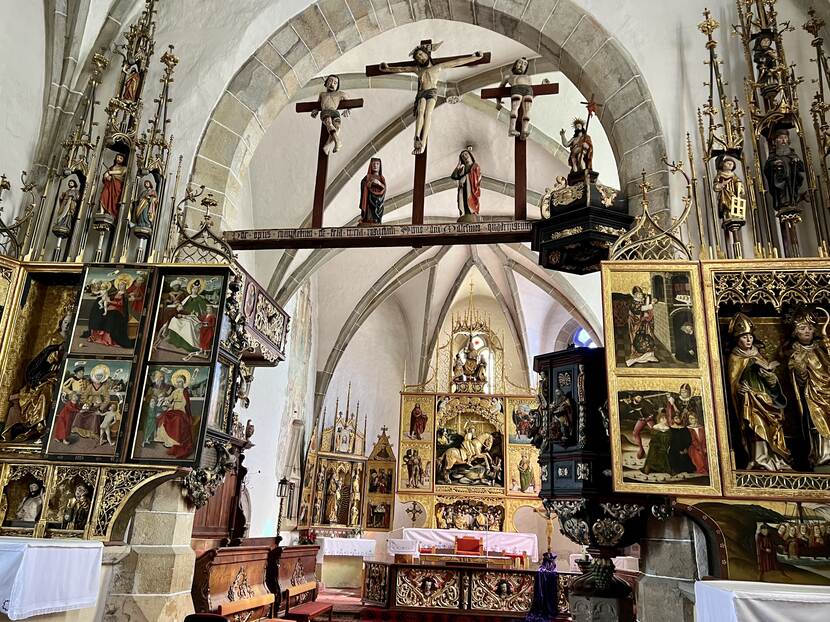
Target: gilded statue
x,y
335,491
758,398
469,366
35,397
809,366
731,193
76,510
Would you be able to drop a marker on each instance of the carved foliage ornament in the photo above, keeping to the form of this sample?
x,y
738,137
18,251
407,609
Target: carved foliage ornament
x,y
428,588
608,532
201,483
501,591
775,287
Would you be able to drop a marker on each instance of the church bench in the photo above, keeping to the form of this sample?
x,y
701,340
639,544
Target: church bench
x,y
307,611
230,608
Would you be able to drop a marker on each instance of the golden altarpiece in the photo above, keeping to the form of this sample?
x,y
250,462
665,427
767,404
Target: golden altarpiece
x,y
465,455
128,331
716,328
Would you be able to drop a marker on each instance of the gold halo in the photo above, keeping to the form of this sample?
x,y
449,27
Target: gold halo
x,y
183,373
126,278
100,368
192,283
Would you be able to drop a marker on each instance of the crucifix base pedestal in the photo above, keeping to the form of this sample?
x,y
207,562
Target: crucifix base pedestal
x,y
580,226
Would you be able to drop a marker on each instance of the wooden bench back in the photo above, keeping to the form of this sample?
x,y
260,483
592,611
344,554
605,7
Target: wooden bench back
x,y
236,606
299,590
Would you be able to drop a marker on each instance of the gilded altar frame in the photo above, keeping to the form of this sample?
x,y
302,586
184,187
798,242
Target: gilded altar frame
x,y
658,376
778,283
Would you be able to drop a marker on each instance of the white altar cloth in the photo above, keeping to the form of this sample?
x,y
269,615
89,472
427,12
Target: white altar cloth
x,y
399,546
39,576
493,540
749,601
346,547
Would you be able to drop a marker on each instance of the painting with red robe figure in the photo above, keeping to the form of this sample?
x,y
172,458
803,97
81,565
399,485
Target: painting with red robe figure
x,y
186,322
110,312
172,409
89,414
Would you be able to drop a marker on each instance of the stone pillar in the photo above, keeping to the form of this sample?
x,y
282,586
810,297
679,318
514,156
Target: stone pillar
x,y
152,582
673,556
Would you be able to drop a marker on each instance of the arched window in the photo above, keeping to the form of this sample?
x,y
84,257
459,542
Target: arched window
x,y
582,339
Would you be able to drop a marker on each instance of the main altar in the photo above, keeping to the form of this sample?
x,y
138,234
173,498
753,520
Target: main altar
x,y
465,460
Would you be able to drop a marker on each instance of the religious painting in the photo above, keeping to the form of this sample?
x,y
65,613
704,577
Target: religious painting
x,y
41,331
652,316
381,479
171,412
90,410
469,514
218,408
522,422
770,350
110,311
775,542
379,515
23,498
417,417
416,467
185,327
524,473
663,438
469,443
70,500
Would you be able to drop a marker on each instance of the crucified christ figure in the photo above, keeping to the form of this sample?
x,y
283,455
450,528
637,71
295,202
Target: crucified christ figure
x,y
428,72
521,97
329,102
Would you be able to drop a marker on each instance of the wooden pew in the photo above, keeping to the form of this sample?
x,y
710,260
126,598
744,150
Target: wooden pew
x,y
305,611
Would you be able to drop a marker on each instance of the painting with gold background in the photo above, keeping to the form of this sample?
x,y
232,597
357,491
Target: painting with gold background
x,y
415,472
31,370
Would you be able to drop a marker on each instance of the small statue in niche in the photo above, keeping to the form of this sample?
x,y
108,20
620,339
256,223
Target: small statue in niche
x,y
521,96
784,170
76,510
581,147
329,101
758,398
31,506
35,397
372,194
766,66
133,77
731,193
112,186
145,210
335,491
68,203
468,177
809,366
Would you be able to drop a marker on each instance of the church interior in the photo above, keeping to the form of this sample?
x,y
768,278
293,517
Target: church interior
x,y
395,310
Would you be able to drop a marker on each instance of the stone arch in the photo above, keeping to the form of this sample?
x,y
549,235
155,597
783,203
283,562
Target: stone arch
x,y
562,33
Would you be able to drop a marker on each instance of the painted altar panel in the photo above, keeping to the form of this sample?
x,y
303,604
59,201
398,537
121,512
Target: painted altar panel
x,y
772,541
416,448
660,402
469,443
380,485
770,356
524,475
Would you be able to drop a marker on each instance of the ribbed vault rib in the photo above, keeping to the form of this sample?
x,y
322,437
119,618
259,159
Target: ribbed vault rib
x,y
423,352
517,301
383,287
442,314
508,311
559,289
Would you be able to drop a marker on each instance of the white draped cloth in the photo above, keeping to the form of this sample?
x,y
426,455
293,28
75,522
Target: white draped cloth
x,y
508,542
39,576
346,547
399,546
750,601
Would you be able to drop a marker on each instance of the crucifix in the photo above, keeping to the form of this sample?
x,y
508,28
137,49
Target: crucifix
x,y
328,107
414,511
521,93
428,70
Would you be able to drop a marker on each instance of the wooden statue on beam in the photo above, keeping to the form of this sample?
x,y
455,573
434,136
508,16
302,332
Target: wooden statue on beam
x,y
328,106
428,70
468,178
581,218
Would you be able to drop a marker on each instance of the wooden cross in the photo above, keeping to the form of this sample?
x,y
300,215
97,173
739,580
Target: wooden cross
x,y
520,144
421,158
414,511
322,157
